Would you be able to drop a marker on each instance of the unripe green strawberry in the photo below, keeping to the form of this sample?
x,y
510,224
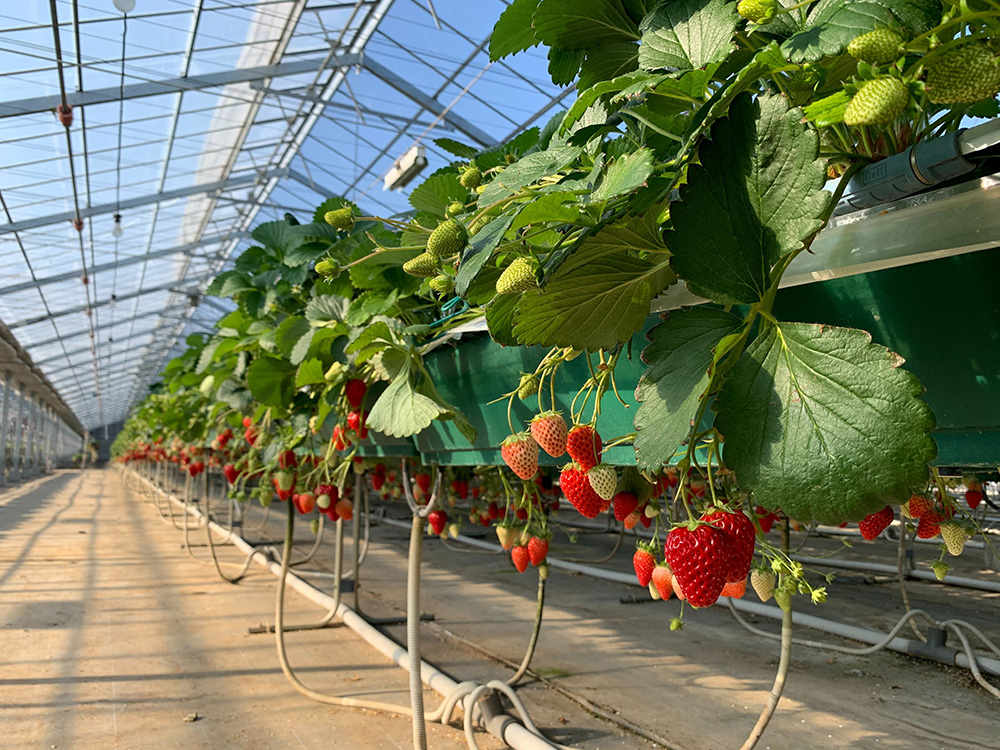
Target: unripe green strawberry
x,y
603,481
454,209
757,11
328,268
518,277
763,583
963,76
314,526
442,283
528,386
783,598
877,102
424,265
940,568
876,47
340,218
471,178
954,538
447,239
478,224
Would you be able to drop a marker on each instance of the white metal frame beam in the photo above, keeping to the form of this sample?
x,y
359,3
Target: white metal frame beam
x,y
173,85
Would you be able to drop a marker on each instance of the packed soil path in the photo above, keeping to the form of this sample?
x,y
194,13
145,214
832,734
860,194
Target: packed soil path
x,y
113,636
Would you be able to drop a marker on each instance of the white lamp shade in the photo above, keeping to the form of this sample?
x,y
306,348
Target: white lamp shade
x,y
125,6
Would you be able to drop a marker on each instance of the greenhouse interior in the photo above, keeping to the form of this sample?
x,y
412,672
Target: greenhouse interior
x,y
615,341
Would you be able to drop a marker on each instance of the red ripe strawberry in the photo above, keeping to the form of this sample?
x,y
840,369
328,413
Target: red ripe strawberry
x,y
344,508
247,422
307,501
538,548
576,487
584,446
875,523
286,459
520,557
919,505
423,480
644,564
231,474
463,489
632,519
520,453
549,431
663,579
339,438
625,504
284,494
973,498
521,514
355,390
437,520
493,510
930,524
331,513
193,469
250,433
645,520
742,536
735,589
765,518
699,557
377,481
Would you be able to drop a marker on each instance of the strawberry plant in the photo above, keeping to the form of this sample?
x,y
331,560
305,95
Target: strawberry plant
x,y
707,147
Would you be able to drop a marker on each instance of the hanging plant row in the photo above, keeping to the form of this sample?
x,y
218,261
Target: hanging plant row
x,y
708,146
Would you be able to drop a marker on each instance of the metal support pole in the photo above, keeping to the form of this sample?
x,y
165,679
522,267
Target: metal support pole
x,y
18,434
4,429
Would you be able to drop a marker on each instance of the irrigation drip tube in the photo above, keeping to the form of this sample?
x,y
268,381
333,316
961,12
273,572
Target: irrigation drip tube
x,y
940,653
488,713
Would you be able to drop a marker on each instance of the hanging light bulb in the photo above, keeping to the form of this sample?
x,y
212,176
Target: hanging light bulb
x,y
125,6
117,229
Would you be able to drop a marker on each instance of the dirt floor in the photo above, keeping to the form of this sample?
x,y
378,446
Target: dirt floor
x,y
120,635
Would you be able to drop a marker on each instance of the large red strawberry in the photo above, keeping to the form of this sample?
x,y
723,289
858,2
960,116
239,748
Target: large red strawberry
x,y
520,557
624,504
538,548
437,519
699,557
765,518
423,480
520,453
742,536
247,421
875,523
286,459
973,497
576,487
306,503
584,446
644,563
549,431
377,481
918,505
662,578
930,524
231,473
355,390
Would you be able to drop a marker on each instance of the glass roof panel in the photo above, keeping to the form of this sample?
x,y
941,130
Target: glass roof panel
x,y
187,176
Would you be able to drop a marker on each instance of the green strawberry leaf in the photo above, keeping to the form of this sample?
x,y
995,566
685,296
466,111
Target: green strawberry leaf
x,y
756,196
609,60
480,250
512,32
564,64
571,24
821,422
679,356
529,169
310,372
625,175
271,381
278,235
595,300
289,332
437,192
550,207
687,34
500,319
827,111
229,283
400,410
457,148
833,24
326,309
306,253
